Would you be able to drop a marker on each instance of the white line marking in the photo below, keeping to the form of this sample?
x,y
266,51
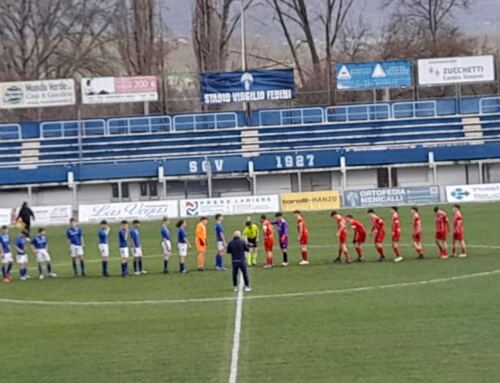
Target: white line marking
x,y
250,297
235,354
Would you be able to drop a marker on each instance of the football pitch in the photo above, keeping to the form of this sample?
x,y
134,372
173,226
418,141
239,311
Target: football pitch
x,y
417,321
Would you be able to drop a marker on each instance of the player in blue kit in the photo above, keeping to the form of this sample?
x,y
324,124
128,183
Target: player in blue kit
x,y
41,250
74,234
182,244
135,236
22,255
123,245
220,242
166,243
6,255
103,235
282,226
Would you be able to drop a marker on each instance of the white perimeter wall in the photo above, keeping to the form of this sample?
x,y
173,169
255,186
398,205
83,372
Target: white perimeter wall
x,y
266,184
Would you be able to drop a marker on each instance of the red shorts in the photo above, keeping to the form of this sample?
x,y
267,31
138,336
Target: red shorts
x,y
396,237
304,240
360,239
268,244
417,237
343,237
440,236
458,235
379,238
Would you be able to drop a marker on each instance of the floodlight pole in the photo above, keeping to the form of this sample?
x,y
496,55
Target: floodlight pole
x,y
246,105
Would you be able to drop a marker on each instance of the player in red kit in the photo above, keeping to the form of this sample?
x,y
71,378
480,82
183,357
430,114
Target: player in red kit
x,y
342,237
417,232
458,233
303,237
396,233
268,230
378,232
359,236
442,230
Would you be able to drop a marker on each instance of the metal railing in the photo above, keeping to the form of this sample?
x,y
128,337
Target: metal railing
x,y
205,121
139,125
489,105
414,109
358,113
296,116
54,129
10,132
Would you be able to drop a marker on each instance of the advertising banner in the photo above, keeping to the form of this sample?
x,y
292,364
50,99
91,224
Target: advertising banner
x,y
147,210
5,217
324,200
51,215
257,85
456,70
391,196
374,75
473,193
229,205
108,90
37,94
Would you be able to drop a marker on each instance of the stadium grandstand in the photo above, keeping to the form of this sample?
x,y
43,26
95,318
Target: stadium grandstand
x,y
431,142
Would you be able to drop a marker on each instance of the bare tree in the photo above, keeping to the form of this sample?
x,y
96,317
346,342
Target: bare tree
x,y
135,35
51,38
304,16
214,24
431,18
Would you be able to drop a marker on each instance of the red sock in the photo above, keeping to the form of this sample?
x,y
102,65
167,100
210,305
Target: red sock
x,y
420,251
305,255
380,250
359,250
397,250
269,260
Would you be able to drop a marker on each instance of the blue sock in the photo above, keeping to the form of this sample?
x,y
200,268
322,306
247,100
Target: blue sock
x,y
22,272
75,271
9,267
218,261
135,265
4,273
165,265
182,267
40,271
139,261
49,268
82,267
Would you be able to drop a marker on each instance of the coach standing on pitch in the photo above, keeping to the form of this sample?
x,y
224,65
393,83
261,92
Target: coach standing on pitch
x,y
25,215
237,248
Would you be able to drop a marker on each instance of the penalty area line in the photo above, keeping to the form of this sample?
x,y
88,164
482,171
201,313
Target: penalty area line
x,y
251,297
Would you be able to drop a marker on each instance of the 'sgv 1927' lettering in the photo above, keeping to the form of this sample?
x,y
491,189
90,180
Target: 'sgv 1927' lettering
x,y
295,161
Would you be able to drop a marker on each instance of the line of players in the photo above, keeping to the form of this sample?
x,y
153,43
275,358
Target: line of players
x,y
442,229
131,239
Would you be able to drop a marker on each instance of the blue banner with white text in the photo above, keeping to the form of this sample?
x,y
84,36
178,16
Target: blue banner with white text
x,y
250,86
374,75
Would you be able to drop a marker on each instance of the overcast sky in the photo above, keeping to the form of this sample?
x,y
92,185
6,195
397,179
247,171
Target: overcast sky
x,y
482,18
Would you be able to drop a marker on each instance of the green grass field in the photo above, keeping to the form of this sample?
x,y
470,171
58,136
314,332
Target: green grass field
x,y
371,322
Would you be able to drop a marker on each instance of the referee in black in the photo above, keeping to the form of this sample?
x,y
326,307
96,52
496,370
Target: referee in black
x,y
237,248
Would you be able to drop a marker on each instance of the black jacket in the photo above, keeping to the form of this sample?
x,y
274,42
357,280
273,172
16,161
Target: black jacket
x,y
26,214
237,248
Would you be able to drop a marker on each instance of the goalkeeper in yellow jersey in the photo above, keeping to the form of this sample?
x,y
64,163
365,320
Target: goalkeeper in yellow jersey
x,y
251,235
